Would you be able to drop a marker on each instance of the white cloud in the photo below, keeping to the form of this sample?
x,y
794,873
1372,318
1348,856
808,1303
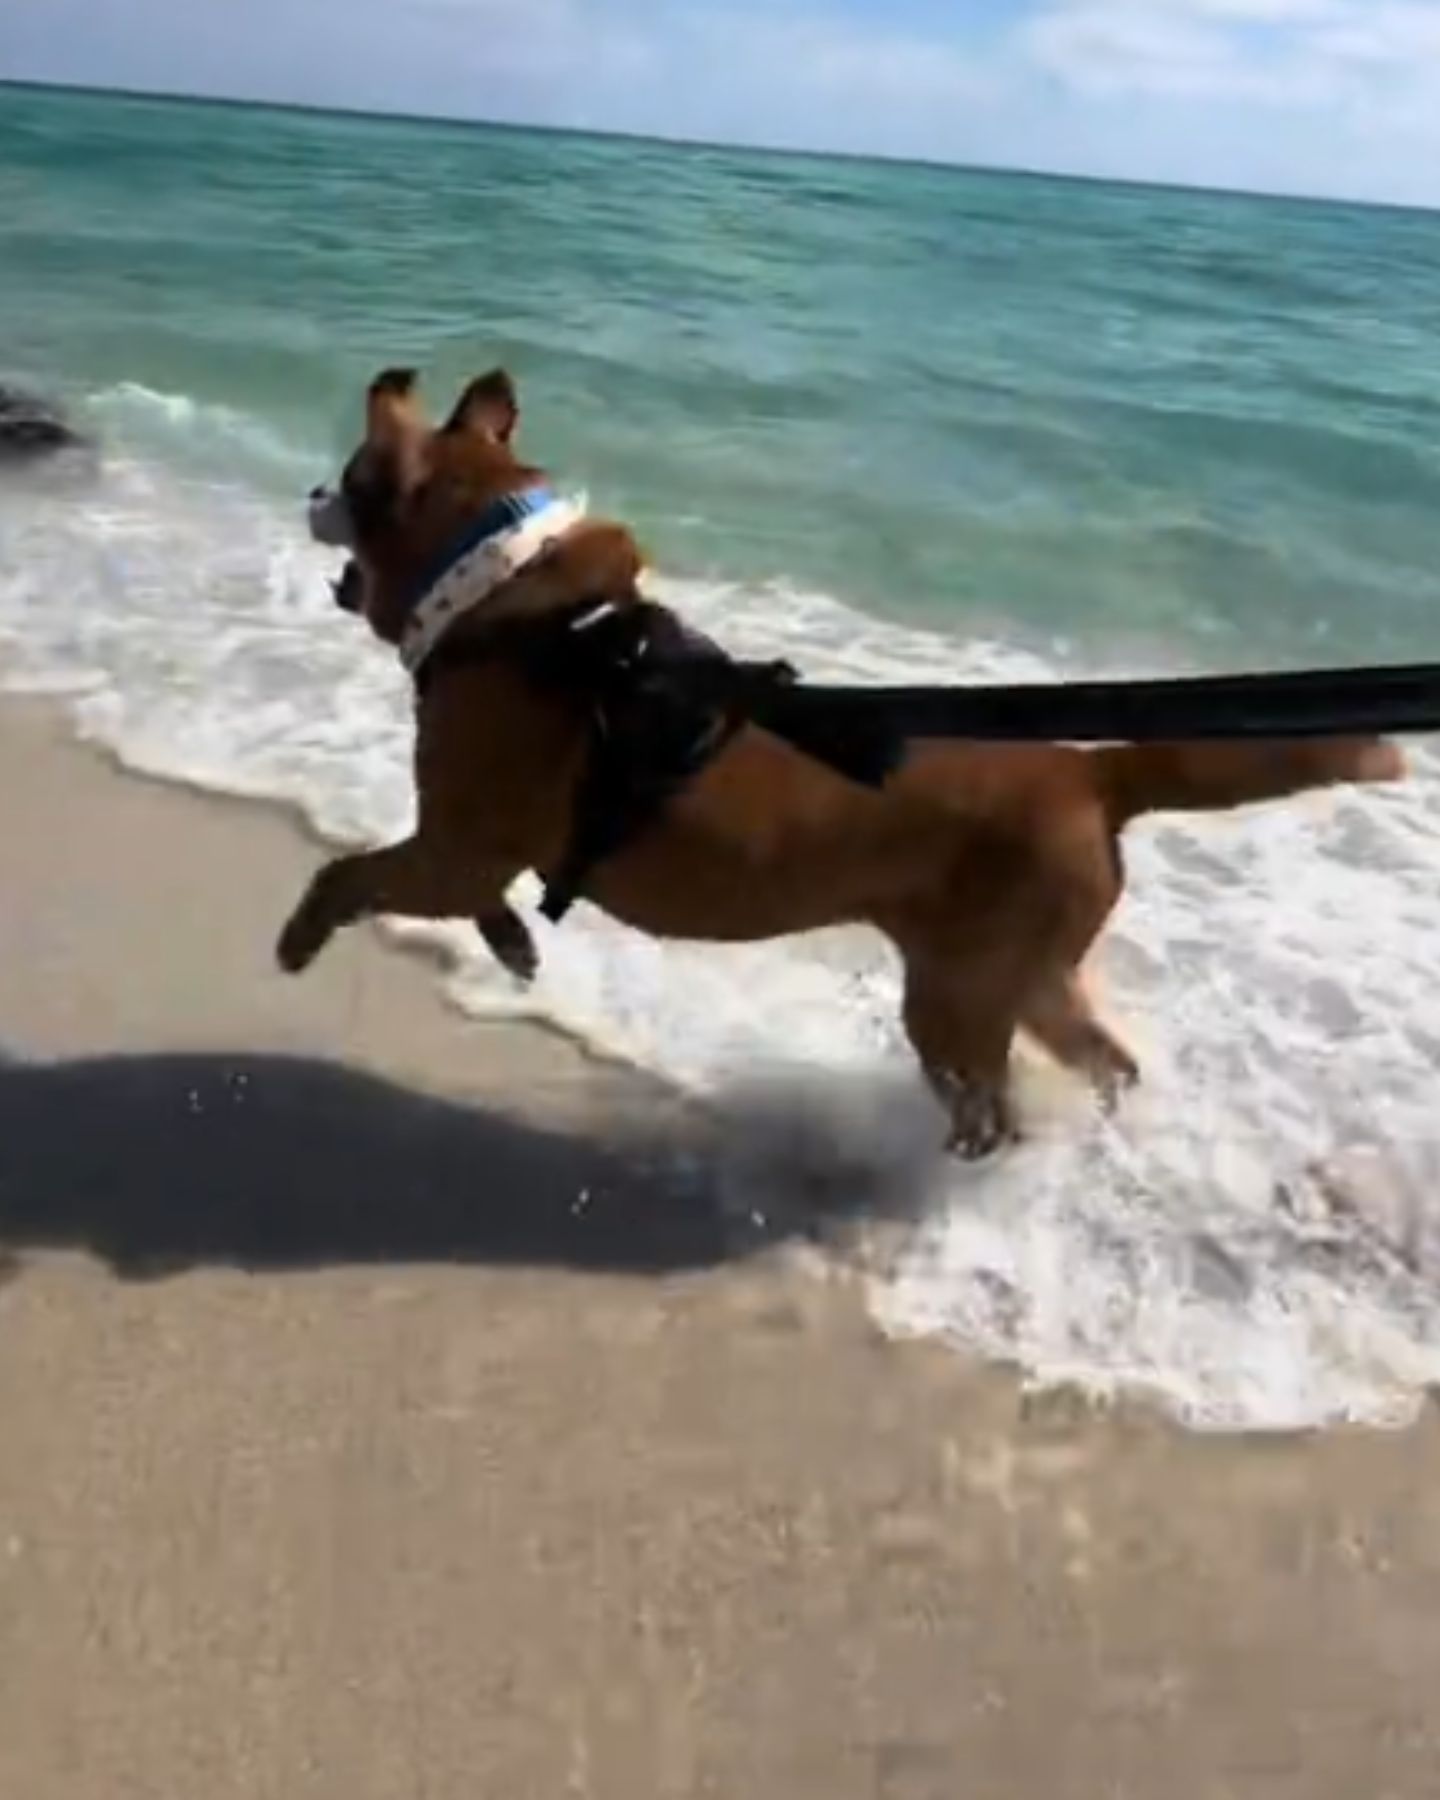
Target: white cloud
x,y
1404,36
1110,47
531,40
797,49
810,55
1343,56
1255,12
910,70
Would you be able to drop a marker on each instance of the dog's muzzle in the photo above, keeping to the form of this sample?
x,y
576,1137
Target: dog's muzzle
x,y
330,521
349,590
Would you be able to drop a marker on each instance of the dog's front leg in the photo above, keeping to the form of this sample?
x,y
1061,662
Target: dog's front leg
x,y
508,939
417,879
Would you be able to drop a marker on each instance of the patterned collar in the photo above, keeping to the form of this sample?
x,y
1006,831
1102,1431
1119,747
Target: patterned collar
x,y
506,537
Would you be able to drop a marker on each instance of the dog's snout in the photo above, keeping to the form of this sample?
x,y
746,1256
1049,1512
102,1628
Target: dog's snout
x,y
347,590
330,521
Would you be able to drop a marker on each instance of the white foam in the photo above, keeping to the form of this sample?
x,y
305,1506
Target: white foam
x,y
204,438
1254,1242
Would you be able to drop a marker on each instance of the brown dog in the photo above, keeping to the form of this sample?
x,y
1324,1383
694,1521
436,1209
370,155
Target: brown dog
x,y
991,868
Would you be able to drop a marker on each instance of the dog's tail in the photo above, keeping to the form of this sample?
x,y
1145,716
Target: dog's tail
x,y
1211,777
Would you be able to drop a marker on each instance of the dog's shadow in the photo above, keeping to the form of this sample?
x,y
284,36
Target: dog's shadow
x,y
158,1164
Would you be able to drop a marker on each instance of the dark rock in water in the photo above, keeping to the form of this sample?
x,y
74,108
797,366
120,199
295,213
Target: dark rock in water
x,y
31,427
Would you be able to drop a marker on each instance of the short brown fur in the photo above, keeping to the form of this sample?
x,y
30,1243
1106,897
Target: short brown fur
x,y
991,868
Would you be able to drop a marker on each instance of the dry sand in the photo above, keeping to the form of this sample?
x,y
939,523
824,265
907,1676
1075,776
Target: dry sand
x,y
372,1429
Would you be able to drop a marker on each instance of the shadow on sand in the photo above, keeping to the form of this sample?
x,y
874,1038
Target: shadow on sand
x,y
161,1163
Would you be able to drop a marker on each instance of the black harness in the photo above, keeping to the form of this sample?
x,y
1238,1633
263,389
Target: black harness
x,y
663,701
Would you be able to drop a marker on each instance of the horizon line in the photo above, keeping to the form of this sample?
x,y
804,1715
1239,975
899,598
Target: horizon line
x,y
607,134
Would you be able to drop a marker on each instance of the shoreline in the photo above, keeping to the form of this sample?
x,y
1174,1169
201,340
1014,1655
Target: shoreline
x,y
405,1429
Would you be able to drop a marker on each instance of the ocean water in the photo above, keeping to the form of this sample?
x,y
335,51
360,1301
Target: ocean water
x,y
895,423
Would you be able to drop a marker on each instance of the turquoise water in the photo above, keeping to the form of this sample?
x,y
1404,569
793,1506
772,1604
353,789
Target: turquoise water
x,y
892,423
1090,412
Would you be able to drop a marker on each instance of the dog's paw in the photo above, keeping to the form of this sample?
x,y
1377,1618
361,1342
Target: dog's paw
x,y
981,1125
975,1143
301,941
510,943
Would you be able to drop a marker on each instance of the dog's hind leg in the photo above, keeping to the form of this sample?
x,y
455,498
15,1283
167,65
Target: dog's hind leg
x,y
416,879
1059,1016
962,1031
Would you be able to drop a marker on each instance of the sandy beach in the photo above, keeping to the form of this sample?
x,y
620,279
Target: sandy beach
x,y
386,1416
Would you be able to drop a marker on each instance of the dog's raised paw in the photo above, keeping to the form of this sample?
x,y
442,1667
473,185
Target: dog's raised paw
x,y
510,943
300,942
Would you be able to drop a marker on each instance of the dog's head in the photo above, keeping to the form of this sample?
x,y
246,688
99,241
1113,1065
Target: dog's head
x,y
410,489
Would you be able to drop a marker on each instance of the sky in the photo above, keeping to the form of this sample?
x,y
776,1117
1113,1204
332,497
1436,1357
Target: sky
x,y
1337,97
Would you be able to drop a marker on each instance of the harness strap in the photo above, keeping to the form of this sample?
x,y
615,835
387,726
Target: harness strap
x,y
662,702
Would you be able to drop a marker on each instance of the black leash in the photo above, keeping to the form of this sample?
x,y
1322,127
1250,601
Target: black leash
x,y
1305,703
857,722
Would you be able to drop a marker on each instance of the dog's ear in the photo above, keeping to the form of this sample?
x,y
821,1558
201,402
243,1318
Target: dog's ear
x,y
489,407
392,459
392,407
